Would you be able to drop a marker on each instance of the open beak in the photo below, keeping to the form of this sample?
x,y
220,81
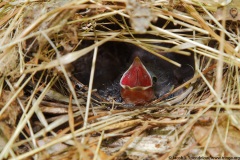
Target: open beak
x,y
136,84
136,77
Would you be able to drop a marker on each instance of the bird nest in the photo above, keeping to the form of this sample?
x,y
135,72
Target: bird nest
x,y
48,113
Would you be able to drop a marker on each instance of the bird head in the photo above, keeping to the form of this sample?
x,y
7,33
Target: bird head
x,y
137,84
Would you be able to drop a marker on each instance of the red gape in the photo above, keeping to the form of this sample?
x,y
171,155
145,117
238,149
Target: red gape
x,y
136,84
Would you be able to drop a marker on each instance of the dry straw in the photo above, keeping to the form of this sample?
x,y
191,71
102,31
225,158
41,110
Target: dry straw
x,y
44,114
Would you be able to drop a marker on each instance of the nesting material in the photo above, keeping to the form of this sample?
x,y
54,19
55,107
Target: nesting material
x,y
47,113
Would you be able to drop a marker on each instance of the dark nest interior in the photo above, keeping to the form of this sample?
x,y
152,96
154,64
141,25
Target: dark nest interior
x,y
119,79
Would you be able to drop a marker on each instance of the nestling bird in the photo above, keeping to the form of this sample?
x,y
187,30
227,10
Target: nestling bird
x,y
137,84
147,78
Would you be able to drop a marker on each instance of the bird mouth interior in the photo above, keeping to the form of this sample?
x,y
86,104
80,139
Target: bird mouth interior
x,y
136,77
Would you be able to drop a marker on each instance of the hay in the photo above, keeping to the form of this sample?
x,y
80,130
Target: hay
x,y
47,114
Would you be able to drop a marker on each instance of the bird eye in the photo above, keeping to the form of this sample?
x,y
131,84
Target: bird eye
x,y
154,79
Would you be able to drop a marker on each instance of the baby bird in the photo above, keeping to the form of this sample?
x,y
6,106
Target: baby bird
x,y
137,84
145,79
